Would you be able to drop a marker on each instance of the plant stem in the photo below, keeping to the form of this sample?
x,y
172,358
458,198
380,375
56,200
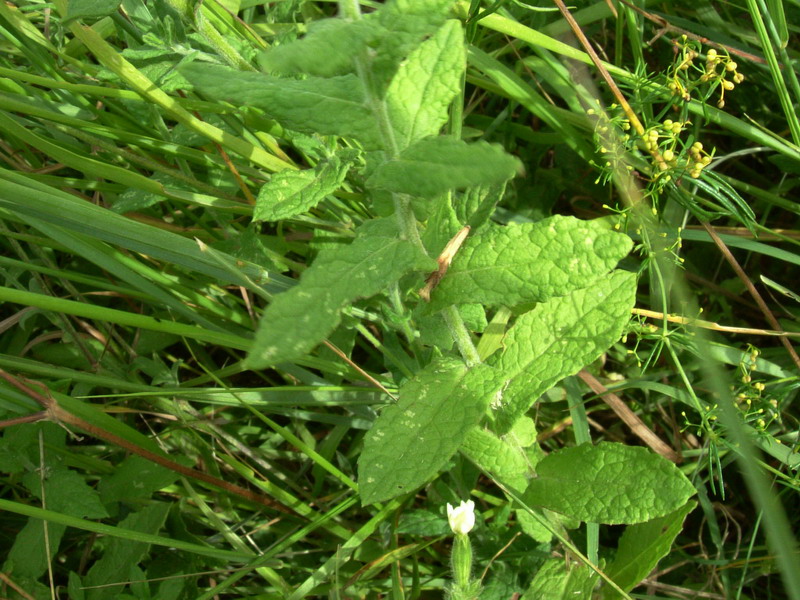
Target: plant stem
x,y
461,336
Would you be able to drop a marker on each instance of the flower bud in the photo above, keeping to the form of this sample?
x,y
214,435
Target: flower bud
x,y
462,517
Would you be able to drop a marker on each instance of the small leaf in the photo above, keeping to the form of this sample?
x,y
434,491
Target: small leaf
x,y
250,245
404,25
558,579
435,165
476,205
328,49
120,553
498,457
289,193
534,526
414,439
642,546
82,9
510,265
426,82
135,478
66,492
331,106
609,483
300,318
556,339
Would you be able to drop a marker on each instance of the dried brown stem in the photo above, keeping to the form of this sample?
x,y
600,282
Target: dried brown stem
x,y
623,102
737,268
639,429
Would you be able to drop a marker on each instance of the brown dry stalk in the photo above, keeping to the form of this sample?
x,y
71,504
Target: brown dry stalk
x,y
753,291
667,26
623,102
639,429
444,260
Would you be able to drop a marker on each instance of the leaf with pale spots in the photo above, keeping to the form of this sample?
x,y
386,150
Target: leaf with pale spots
x,y
414,439
531,262
609,483
300,318
556,339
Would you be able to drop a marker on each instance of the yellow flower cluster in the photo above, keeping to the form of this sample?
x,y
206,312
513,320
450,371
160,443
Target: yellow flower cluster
x,y
719,70
666,137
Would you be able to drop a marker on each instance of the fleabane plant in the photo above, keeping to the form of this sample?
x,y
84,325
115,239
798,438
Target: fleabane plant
x,y
383,83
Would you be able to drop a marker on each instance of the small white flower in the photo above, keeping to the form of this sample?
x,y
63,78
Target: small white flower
x,y
462,518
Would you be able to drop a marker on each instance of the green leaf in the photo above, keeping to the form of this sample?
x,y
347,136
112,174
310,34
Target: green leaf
x,y
609,483
514,264
496,456
120,553
328,49
414,439
329,106
433,330
534,526
82,9
558,579
300,318
289,193
425,84
642,546
403,26
65,491
135,478
477,204
435,165
556,339
252,246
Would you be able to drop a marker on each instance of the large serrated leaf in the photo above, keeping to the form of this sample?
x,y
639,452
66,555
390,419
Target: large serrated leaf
x,y
329,106
530,262
642,546
609,483
412,440
435,165
424,85
557,338
303,316
289,193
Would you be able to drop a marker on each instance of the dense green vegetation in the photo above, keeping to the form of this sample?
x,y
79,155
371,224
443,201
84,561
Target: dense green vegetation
x,y
284,284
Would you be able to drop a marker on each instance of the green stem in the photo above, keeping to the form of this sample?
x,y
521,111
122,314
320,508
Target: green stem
x,y
399,308
461,336
407,221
